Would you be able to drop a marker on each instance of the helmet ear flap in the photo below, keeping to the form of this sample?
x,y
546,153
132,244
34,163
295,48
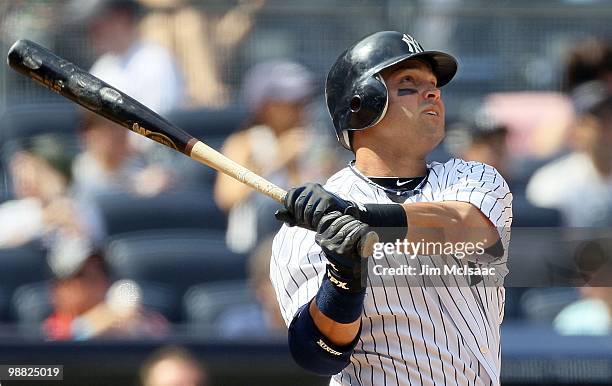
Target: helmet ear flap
x,y
367,103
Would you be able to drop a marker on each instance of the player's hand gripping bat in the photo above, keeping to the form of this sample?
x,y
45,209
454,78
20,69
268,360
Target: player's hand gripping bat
x,y
81,87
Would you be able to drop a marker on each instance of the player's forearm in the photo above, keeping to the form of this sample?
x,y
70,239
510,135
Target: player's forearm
x,y
324,332
312,350
450,221
455,222
338,333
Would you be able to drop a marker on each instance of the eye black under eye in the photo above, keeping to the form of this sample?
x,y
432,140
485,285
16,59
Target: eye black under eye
x,y
406,91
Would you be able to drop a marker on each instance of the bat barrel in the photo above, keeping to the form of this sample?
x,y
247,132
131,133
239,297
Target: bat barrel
x,y
68,80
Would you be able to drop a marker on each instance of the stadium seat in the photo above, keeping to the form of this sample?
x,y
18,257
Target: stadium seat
x,y
161,298
212,126
22,264
23,121
527,215
209,125
31,303
203,303
5,302
123,213
532,254
177,258
512,306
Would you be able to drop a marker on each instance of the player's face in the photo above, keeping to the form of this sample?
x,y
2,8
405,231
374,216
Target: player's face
x,y
415,114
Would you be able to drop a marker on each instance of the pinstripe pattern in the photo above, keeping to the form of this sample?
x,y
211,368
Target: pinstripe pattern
x,y
443,333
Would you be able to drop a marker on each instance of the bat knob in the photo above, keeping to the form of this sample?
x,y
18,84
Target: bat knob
x,y
366,244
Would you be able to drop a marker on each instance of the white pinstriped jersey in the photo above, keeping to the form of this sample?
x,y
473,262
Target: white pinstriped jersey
x,y
411,335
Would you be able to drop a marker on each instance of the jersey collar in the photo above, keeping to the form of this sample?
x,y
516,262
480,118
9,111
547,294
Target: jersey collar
x,y
401,181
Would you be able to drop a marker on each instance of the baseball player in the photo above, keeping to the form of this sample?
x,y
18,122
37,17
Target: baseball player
x,y
347,320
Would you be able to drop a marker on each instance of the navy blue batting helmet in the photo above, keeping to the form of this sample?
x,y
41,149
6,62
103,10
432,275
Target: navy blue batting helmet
x,y
357,96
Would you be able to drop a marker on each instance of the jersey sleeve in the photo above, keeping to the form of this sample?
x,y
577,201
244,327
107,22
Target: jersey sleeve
x,y
482,186
297,266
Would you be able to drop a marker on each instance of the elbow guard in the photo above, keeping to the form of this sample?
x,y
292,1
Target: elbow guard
x,y
312,351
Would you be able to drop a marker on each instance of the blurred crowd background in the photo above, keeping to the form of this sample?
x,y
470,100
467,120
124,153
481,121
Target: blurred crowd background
x,y
107,236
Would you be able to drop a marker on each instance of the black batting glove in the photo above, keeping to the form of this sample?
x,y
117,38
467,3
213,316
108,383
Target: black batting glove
x,y
306,205
339,236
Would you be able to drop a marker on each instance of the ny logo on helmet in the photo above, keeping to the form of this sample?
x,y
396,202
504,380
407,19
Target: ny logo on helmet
x,y
413,45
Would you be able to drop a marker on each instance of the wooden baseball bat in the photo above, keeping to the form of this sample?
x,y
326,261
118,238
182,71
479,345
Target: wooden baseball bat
x,y
68,80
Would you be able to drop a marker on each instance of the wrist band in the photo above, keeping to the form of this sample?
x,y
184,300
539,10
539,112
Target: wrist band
x,y
387,220
339,305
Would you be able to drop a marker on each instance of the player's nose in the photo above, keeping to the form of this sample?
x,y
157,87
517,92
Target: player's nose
x,y
432,93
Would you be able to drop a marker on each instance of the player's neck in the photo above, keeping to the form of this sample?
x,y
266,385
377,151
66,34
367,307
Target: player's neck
x,y
384,164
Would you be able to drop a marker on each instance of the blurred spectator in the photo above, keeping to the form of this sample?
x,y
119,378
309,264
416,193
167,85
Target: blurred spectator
x,y
43,204
202,41
107,164
144,71
484,140
255,320
592,314
279,145
85,305
173,366
591,60
580,184
32,20
588,316
537,124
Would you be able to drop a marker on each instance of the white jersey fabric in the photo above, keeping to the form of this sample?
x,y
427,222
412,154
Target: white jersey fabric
x,y
419,335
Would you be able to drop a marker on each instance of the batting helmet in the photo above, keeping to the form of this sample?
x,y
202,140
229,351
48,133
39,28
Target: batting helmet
x,y
357,96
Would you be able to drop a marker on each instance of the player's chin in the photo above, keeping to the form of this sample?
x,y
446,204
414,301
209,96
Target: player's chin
x,y
432,133
433,125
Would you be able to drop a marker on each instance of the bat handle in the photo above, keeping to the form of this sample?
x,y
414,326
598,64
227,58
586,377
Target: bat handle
x,y
205,154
